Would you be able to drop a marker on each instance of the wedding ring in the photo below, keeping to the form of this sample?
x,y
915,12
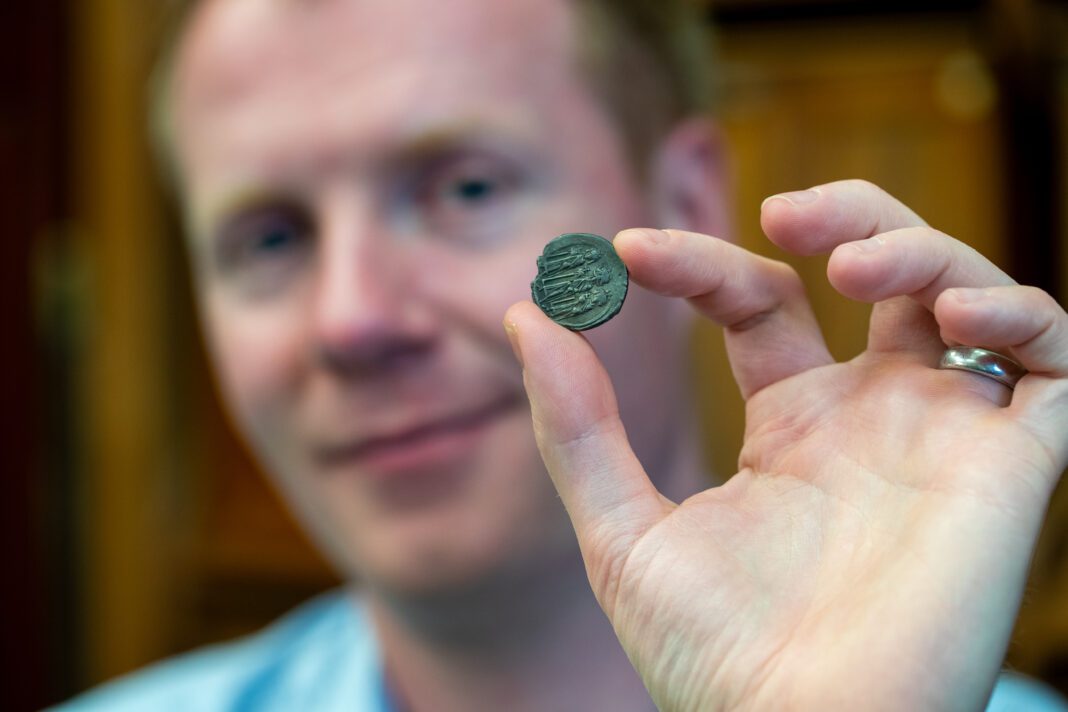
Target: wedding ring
x,y
986,363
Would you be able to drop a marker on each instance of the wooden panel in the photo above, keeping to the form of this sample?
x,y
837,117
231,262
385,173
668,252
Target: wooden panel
x,y
907,105
125,542
175,516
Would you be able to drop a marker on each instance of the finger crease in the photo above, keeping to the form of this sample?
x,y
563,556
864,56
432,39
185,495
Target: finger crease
x,y
1043,332
753,320
935,279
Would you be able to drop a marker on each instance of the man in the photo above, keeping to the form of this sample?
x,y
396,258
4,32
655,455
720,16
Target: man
x,y
367,184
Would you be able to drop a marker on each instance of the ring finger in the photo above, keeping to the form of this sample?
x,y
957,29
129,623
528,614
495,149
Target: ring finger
x,y
903,272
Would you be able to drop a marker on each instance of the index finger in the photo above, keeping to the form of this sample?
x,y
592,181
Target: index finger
x,y
815,221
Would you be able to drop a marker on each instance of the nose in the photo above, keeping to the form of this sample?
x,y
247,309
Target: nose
x,y
367,317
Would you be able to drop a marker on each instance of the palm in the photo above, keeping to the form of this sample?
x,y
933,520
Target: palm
x,y
872,549
816,548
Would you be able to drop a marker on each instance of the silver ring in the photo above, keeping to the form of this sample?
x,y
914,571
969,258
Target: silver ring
x,y
986,363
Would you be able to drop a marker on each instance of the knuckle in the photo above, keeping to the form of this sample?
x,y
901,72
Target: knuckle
x,y
935,235
922,236
937,247
1040,299
868,190
783,278
776,283
944,248
862,184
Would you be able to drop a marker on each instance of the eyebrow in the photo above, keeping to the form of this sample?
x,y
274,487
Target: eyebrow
x,y
472,134
421,146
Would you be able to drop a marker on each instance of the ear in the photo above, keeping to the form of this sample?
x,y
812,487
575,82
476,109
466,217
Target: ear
x,y
690,187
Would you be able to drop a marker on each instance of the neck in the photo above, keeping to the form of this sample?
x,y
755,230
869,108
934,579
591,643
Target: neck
x,y
538,649
541,642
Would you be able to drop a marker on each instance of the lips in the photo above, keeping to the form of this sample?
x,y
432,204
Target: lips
x,y
420,446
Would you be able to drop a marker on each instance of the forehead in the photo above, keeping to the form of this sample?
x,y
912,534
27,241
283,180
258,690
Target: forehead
x,y
327,71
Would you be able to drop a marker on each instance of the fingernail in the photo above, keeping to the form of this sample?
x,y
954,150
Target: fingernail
x,y
649,234
868,246
797,197
655,236
513,338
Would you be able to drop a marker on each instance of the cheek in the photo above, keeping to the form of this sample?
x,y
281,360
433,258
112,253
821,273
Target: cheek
x,y
472,290
258,359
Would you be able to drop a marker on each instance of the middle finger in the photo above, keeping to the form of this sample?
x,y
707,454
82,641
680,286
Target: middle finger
x,y
919,263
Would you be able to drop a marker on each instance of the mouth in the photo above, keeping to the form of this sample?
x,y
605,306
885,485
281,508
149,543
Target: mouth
x,y
423,446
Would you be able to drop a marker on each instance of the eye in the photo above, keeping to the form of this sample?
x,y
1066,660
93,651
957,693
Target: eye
x,y
468,183
473,190
275,238
468,197
261,233
262,246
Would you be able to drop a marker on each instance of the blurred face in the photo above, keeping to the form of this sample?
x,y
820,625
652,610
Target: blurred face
x,y
368,183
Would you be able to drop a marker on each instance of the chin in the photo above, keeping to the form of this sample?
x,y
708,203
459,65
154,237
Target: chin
x,y
466,552
484,518
436,567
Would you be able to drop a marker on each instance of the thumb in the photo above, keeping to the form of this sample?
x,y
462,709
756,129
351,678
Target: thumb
x,y
607,494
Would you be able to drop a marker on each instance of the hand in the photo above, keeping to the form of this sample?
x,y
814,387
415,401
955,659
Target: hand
x,y
872,549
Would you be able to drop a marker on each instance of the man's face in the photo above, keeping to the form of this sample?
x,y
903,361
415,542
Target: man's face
x,y
368,185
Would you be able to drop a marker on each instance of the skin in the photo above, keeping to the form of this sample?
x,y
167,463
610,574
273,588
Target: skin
x,y
363,205
872,550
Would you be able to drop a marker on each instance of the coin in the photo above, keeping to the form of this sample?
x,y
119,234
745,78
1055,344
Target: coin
x,y
581,281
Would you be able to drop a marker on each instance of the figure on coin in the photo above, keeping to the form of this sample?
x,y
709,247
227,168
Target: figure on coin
x,y
581,282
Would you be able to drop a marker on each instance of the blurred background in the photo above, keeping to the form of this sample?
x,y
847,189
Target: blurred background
x,y
135,525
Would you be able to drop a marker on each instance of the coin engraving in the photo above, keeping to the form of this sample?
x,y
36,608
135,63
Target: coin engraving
x,y
581,282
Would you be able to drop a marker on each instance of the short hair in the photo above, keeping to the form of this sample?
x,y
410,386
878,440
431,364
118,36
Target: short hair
x,y
649,61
